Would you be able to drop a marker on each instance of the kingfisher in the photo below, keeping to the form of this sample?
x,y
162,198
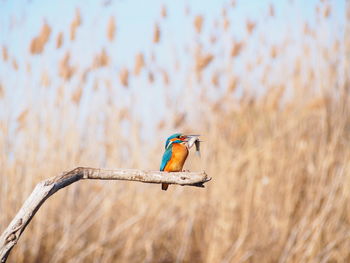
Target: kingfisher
x,y
176,152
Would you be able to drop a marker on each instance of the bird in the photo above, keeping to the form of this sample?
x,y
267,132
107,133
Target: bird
x,y
176,152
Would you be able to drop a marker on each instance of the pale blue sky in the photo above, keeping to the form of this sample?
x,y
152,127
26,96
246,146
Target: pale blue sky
x,y
21,20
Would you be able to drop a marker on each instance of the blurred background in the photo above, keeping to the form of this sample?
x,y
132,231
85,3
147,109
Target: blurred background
x,y
104,83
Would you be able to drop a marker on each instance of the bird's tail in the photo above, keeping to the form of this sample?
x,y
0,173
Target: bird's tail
x,y
165,187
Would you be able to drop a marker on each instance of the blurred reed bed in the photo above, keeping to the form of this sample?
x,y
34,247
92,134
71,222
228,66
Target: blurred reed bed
x,y
276,138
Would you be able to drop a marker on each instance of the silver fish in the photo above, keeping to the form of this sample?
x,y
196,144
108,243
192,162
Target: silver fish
x,y
197,143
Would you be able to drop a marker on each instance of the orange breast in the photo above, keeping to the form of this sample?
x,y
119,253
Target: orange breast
x,y
178,158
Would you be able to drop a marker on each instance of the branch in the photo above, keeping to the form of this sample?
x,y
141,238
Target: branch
x,y
46,188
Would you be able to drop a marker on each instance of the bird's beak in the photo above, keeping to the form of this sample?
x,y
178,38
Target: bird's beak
x,y
190,137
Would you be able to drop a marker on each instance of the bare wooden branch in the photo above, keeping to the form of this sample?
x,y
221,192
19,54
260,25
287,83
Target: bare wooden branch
x,y
45,189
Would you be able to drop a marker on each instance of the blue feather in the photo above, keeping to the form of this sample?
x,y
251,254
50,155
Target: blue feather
x,y
166,157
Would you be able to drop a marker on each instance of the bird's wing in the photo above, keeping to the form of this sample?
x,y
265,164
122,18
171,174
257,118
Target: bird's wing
x,y
166,158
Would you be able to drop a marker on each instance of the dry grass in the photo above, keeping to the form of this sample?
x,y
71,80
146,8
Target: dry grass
x,y
75,24
139,63
198,23
156,33
111,29
280,161
38,43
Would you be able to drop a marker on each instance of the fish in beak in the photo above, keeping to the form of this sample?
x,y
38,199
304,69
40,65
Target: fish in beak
x,y
193,140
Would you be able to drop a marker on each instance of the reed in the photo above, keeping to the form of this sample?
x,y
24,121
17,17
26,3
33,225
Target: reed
x,y
276,142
